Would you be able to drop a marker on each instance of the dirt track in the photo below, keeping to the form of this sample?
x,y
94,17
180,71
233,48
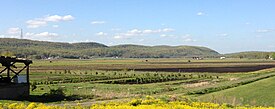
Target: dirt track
x,y
212,69
220,69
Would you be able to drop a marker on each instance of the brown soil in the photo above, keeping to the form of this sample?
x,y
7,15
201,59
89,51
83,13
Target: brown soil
x,y
212,69
197,84
168,67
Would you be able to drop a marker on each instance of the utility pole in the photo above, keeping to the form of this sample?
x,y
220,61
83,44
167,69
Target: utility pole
x,y
21,33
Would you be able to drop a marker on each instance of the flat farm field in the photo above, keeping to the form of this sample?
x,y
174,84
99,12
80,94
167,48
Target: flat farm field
x,y
104,80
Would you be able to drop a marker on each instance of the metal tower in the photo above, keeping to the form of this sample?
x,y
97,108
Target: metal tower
x,y
21,33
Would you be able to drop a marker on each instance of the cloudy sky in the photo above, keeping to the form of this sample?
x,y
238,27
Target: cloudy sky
x,y
226,26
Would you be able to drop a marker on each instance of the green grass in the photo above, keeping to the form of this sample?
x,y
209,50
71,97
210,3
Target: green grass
x,y
49,74
111,91
100,91
258,93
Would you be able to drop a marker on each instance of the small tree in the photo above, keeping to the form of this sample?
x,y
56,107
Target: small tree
x,y
241,56
273,56
267,57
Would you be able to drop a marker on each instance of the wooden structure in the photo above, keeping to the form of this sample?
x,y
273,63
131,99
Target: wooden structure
x,y
13,85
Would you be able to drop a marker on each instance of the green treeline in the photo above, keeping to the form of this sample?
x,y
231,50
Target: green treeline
x,y
253,55
42,49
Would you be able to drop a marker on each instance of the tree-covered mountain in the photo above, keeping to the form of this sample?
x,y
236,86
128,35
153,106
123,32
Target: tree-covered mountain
x,y
44,49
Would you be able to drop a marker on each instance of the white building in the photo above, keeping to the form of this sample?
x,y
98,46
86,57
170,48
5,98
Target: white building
x,y
222,57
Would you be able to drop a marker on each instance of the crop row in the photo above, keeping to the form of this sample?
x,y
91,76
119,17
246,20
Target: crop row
x,y
153,79
119,77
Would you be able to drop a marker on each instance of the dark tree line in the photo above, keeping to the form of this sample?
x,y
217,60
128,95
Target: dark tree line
x,y
42,49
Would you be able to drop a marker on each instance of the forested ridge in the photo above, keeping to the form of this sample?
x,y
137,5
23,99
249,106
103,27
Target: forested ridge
x,y
43,49
252,55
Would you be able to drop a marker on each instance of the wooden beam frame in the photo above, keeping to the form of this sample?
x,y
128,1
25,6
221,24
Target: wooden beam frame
x,y
9,62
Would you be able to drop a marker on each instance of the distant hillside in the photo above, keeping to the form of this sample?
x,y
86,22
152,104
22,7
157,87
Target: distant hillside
x,y
251,55
8,42
136,51
44,49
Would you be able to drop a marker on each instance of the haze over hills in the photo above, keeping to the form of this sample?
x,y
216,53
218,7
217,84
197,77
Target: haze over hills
x,y
44,49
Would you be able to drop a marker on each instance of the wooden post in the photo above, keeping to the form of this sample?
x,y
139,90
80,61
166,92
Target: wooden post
x,y
28,81
8,71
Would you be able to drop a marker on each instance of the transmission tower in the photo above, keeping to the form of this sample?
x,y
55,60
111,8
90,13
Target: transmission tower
x,y
21,33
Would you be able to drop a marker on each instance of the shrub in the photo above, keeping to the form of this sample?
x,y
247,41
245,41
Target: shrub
x,y
55,94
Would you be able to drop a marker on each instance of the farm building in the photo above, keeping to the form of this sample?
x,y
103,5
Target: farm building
x,y
222,57
197,58
14,83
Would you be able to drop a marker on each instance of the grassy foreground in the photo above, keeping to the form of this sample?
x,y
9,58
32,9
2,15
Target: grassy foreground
x,y
149,103
257,93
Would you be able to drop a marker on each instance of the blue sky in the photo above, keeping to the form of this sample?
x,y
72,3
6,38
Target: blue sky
x,y
226,26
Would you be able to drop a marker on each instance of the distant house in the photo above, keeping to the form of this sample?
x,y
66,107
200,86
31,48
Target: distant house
x,y
222,57
115,57
197,58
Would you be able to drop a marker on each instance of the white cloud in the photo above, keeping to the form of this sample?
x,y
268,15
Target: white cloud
x,y
186,35
118,37
46,34
137,32
166,35
68,18
38,22
264,30
41,36
9,36
141,40
115,29
167,30
35,23
111,43
13,31
149,31
98,22
200,13
101,34
57,18
78,41
223,34
55,26
188,38
163,35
